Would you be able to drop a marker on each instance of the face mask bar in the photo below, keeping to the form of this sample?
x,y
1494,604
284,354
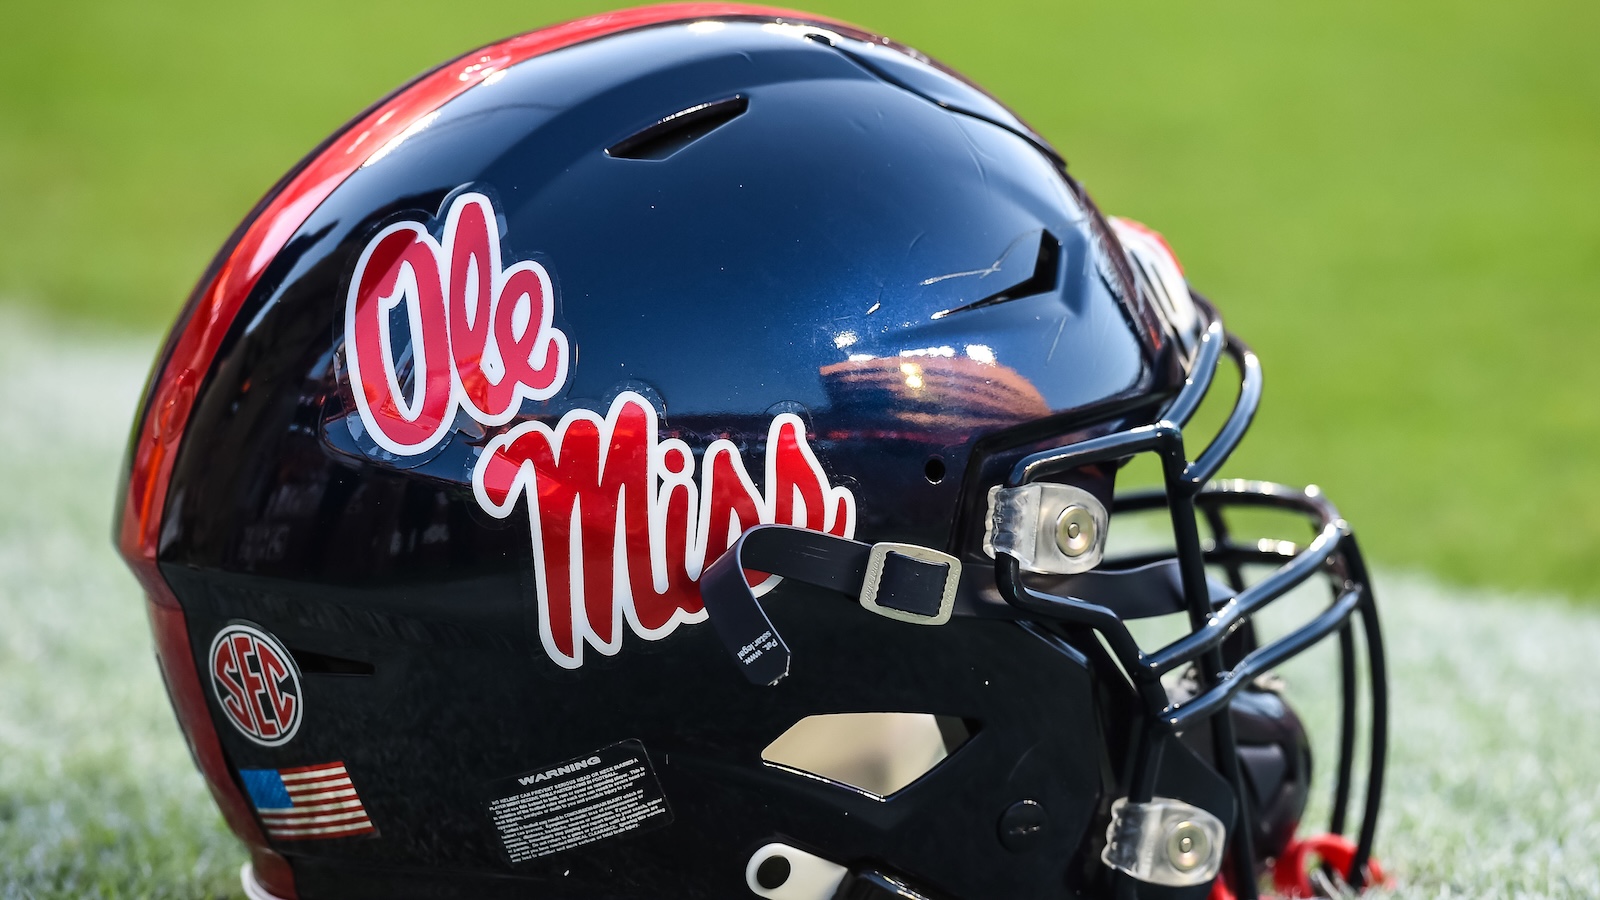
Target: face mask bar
x,y
1188,489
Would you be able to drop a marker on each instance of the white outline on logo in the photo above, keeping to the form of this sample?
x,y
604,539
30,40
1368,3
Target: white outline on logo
x,y
294,677
670,468
409,292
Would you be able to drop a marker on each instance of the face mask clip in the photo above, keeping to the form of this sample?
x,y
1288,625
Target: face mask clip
x,y
1051,529
1164,841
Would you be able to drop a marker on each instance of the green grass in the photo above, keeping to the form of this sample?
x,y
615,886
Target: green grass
x,y
1491,790
98,797
1392,201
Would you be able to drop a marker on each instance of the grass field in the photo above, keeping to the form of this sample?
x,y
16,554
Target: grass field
x,y
1395,202
1492,791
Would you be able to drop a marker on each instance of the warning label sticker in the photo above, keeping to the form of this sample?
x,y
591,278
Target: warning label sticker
x,y
609,792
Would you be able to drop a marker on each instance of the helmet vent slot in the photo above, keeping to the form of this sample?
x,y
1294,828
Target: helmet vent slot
x,y
1044,279
312,663
878,753
679,130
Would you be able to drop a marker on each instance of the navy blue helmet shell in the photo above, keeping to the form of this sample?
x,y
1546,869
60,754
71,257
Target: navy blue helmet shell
x,y
454,433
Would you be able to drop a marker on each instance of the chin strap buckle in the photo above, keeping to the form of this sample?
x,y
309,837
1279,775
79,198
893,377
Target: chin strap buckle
x,y
903,582
912,584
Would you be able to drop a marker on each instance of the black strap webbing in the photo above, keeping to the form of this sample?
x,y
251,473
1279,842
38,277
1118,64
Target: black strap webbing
x,y
910,585
836,563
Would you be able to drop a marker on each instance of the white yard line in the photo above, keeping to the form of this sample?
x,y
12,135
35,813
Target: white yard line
x,y
1494,785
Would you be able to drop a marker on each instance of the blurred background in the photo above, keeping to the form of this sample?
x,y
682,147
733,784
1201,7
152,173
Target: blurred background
x,y
1397,204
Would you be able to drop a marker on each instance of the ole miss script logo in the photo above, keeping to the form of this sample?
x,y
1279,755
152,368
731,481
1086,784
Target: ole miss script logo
x,y
257,683
623,523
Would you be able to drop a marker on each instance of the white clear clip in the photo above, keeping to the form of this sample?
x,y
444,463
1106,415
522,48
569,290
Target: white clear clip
x,y
781,872
1165,841
1051,529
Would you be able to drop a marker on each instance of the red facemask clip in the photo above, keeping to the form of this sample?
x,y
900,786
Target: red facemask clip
x,y
1291,874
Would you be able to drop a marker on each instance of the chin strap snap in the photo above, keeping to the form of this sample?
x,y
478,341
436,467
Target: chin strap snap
x,y
780,871
1293,875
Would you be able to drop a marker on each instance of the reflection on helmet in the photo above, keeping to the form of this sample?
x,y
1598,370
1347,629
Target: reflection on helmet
x,y
593,449
932,395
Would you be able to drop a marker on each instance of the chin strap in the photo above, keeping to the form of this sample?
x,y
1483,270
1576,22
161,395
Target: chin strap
x,y
904,582
1294,877
898,581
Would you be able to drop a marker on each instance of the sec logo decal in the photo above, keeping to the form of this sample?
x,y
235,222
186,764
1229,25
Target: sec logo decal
x,y
257,684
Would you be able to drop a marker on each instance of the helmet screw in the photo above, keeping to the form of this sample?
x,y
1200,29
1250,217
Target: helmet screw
x,y
1022,826
1075,531
773,872
1187,846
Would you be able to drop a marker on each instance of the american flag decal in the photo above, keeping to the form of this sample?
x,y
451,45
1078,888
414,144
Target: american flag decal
x,y
307,802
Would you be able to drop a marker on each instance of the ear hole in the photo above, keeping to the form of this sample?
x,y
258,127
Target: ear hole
x,y
311,663
933,470
879,753
679,130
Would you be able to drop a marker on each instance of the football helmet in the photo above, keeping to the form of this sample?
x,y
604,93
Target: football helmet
x,y
672,454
